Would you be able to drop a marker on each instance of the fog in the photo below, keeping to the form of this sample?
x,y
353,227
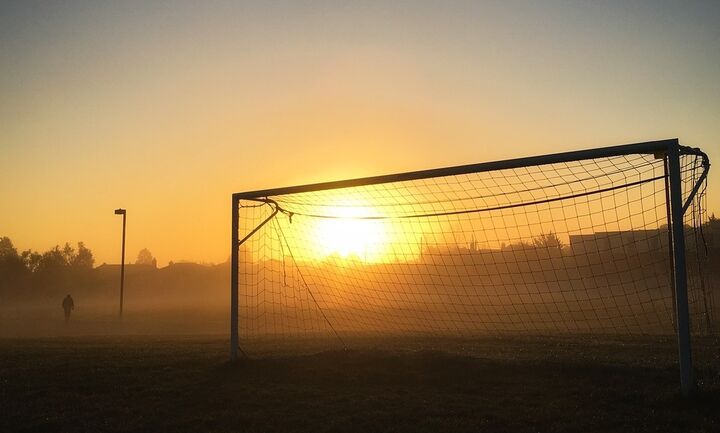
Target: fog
x,y
454,291
184,298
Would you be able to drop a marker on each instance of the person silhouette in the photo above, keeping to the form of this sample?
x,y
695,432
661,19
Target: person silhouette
x,y
68,305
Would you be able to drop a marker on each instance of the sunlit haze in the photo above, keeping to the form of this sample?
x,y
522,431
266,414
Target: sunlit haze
x,y
347,236
167,108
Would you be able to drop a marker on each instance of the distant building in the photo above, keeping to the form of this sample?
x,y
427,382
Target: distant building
x,y
130,269
441,250
630,242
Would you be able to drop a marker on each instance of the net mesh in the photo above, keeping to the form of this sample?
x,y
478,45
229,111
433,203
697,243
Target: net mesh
x,y
569,248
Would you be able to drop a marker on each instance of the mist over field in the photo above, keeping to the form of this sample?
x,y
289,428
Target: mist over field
x,y
181,298
523,289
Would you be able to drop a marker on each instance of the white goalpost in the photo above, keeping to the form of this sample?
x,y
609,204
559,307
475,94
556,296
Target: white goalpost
x,y
605,241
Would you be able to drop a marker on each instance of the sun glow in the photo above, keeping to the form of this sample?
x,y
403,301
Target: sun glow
x,y
349,236
346,226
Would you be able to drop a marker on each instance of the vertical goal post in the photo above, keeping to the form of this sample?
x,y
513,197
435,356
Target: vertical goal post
x,y
670,151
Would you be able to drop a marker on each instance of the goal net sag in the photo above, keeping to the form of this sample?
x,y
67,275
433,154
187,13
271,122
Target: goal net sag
x,y
571,243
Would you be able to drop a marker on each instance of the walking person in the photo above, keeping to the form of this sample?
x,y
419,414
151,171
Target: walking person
x,y
68,305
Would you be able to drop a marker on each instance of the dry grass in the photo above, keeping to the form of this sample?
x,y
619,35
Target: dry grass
x,y
123,384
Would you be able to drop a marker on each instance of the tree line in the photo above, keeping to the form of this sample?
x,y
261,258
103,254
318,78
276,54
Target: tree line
x,y
61,268
56,267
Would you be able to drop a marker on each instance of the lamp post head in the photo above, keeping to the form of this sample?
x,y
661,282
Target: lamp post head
x,y
119,211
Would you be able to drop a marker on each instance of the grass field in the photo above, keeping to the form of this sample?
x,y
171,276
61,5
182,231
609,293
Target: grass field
x,y
127,384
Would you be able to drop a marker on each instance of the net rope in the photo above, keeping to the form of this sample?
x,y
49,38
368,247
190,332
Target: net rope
x,y
578,247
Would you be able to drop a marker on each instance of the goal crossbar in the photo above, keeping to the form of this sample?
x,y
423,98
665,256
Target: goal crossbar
x,y
647,147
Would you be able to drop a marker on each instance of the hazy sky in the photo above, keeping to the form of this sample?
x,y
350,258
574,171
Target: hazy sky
x,y
166,108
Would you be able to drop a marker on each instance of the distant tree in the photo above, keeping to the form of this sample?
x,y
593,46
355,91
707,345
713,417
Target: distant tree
x,y
54,259
549,241
473,245
10,262
521,245
7,250
31,260
145,257
713,222
12,269
68,254
84,258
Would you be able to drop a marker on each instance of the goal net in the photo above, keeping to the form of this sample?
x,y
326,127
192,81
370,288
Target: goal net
x,y
572,243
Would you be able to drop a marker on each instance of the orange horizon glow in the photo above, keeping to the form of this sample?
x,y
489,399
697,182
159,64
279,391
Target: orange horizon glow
x,y
166,109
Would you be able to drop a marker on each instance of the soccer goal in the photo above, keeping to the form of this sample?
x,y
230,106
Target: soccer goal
x,y
591,242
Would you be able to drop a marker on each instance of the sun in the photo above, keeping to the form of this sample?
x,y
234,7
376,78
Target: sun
x,y
348,235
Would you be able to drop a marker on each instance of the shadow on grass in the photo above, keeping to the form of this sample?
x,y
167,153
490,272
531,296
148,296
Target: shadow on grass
x,y
435,391
149,385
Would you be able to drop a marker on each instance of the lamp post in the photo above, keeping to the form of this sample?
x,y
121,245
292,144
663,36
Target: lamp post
x,y
122,260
